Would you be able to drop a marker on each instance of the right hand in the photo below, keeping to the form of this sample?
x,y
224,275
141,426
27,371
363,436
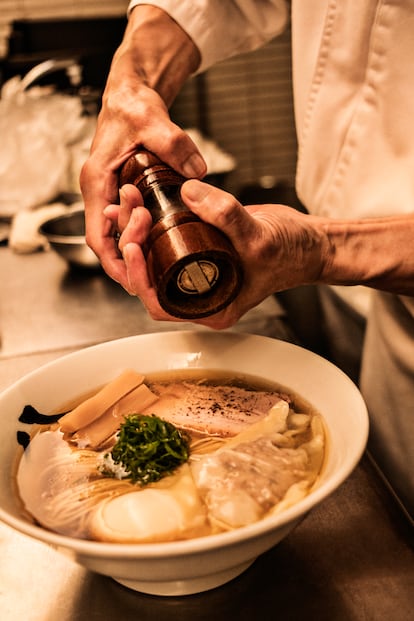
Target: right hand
x,y
279,247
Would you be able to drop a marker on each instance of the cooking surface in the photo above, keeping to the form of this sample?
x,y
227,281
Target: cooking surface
x,y
46,307
350,559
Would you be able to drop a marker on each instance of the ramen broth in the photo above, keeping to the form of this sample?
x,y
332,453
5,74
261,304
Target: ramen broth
x,y
255,449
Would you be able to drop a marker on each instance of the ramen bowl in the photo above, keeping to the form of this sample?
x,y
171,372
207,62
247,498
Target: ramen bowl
x,y
203,563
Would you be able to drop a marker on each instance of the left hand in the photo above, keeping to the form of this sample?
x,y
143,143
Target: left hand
x,y
278,246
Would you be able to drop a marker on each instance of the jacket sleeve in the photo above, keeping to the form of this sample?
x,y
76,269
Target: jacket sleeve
x,y
223,29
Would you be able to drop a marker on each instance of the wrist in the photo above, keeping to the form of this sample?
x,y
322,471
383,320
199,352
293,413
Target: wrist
x,y
157,52
373,252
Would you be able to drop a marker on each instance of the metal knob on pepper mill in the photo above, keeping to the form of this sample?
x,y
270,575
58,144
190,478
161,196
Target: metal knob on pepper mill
x,y
192,265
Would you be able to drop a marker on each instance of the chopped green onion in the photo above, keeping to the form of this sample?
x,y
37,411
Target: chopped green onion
x,y
147,449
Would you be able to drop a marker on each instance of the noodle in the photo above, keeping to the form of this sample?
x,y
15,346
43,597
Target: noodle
x,y
272,459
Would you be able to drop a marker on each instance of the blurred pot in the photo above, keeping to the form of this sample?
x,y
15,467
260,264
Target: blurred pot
x,y
66,236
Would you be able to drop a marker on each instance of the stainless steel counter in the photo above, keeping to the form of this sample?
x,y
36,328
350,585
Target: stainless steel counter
x,y
350,559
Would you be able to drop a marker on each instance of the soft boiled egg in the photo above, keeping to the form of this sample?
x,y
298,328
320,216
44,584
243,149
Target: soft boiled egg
x,y
168,510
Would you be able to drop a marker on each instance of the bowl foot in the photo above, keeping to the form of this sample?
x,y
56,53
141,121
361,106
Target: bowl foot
x,y
185,587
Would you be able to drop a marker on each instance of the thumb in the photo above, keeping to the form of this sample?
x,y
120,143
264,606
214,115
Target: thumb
x,y
194,191
219,208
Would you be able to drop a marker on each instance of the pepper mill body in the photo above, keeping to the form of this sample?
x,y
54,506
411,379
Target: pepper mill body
x,y
192,265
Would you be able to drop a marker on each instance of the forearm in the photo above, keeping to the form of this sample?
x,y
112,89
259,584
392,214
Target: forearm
x,y
222,29
154,59
156,52
377,253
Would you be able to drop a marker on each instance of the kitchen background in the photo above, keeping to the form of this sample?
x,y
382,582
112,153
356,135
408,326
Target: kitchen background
x,y
243,107
244,104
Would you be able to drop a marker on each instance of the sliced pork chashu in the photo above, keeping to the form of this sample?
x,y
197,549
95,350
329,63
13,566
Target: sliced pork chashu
x,y
215,410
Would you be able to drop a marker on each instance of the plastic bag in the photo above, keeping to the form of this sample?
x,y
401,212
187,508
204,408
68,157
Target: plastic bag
x,y
39,131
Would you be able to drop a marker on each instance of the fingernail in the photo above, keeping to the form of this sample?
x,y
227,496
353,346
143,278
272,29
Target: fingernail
x,y
122,193
194,166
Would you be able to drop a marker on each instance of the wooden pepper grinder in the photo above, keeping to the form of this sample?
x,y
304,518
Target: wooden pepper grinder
x,y
192,265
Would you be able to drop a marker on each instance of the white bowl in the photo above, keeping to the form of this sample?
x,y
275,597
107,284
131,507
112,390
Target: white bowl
x,y
200,564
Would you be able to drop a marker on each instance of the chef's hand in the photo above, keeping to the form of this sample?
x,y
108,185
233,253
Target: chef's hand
x,y
154,59
277,247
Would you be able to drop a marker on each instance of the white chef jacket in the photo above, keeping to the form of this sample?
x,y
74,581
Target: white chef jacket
x,y
353,86
353,83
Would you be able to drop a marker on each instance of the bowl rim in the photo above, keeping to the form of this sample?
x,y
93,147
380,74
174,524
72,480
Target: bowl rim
x,y
56,238
65,239
202,544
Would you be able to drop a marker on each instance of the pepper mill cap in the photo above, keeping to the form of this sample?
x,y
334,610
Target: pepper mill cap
x,y
142,168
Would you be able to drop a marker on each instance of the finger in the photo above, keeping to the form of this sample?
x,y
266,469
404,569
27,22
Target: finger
x,y
101,239
130,198
140,284
220,209
98,191
137,229
106,248
173,146
112,212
